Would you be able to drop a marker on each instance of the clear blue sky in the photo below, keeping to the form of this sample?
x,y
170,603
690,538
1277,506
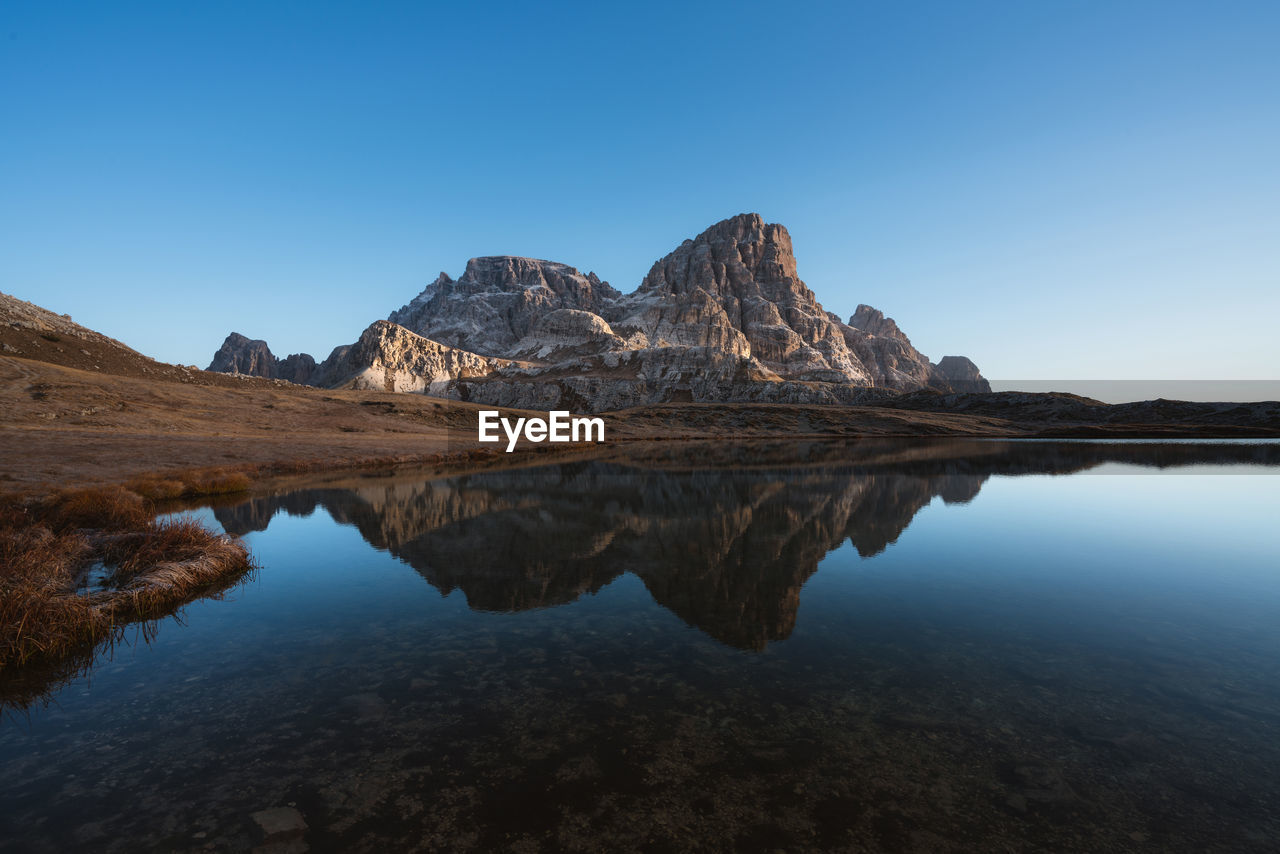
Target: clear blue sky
x,y
1059,190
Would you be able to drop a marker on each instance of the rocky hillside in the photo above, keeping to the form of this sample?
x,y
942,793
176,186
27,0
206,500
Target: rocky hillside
x,y
723,318
30,332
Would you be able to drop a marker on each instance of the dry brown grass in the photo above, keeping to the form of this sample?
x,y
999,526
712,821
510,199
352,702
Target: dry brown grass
x,y
158,488
190,484
110,508
49,625
153,568
217,482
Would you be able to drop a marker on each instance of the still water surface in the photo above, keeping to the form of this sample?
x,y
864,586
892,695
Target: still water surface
x,y
880,647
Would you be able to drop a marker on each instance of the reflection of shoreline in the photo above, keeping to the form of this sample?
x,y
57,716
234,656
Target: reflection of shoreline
x,y
726,549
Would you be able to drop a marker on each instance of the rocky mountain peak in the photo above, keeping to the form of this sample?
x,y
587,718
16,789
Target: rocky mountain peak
x,y
961,374
497,300
735,286
873,322
724,316
726,256
240,354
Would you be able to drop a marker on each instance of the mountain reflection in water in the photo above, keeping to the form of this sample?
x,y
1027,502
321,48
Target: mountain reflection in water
x,y
880,646
725,549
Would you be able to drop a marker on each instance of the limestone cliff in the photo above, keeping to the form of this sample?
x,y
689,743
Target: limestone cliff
x,y
498,300
723,318
388,357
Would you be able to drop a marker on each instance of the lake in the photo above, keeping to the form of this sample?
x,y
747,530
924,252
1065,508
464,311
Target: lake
x,y
874,646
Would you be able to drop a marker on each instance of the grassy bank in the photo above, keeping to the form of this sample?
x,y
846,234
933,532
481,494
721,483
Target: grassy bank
x,y
146,569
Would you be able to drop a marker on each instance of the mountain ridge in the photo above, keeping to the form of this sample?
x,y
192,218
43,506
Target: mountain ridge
x,y
724,317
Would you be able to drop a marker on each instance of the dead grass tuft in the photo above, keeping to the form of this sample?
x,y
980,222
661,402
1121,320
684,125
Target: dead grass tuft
x,y
191,484
174,541
153,568
158,489
111,508
217,483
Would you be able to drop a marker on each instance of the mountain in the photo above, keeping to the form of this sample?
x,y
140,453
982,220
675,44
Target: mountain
x,y
961,374
252,357
734,287
388,357
33,333
723,318
497,302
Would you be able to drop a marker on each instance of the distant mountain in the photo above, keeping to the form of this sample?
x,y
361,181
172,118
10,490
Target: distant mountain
x,y
252,357
723,318
29,331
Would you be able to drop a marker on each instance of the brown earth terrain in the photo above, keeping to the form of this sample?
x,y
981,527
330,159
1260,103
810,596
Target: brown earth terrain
x,y
81,408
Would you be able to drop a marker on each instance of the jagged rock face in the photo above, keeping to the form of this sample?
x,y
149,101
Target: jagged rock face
x,y
735,287
723,318
241,355
632,378
252,357
391,358
297,368
882,346
874,323
498,300
566,333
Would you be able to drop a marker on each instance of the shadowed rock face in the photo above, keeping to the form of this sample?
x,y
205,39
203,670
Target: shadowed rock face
x,y
252,357
727,550
723,318
961,374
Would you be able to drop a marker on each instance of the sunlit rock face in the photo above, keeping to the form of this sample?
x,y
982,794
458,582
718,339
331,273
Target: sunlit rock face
x,y
388,357
723,318
497,302
735,287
